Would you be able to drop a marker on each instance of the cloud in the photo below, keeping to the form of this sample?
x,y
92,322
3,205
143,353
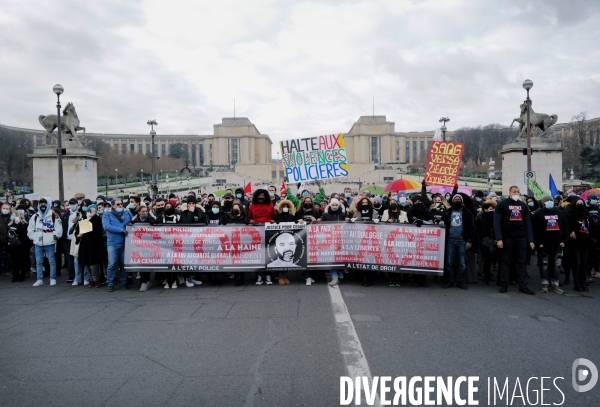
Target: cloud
x,y
296,68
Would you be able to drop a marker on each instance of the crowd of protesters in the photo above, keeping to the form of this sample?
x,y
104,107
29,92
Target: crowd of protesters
x,y
485,233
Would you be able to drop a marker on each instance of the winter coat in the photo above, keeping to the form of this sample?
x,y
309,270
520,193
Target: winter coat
x,y
195,216
90,242
261,213
4,221
334,216
468,224
114,227
285,216
402,217
44,228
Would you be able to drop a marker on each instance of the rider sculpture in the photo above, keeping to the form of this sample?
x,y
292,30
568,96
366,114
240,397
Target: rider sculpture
x,y
540,121
69,124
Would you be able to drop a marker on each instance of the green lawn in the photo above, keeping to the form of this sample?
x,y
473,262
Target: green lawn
x,y
374,189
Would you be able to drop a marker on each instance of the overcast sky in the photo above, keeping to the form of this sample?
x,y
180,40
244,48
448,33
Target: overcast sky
x,y
296,68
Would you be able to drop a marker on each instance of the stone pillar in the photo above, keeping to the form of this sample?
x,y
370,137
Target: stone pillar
x,y
80,170
546,159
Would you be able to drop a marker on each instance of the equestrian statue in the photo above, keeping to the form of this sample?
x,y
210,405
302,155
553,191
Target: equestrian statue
x,y
540,121
69,124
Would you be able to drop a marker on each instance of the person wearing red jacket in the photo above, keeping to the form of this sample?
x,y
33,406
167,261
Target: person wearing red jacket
x,y
261,209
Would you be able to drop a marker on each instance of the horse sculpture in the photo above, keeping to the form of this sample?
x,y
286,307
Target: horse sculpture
x,y
536,120
69,123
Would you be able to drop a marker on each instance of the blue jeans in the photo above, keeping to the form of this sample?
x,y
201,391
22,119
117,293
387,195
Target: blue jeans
x,y
455,249
39,260
80,271
116,256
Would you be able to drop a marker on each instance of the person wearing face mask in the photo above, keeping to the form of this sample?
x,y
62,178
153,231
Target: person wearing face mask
x,y
297,201
550,234
80,197
394,214
594,256
460,230
45,229
307,213
478,200
582,229
261,209
19,248
512,227
418,214
348,196
335,212
81,273
115,222
193,212
438,209
378,207
210,200
364,211
89,257
285,214
67,237
5,220
484,224
168,216
159,208
275,198
134,204
142,216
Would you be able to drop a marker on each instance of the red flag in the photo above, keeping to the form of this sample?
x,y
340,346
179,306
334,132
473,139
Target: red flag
x,y
248,188
282,189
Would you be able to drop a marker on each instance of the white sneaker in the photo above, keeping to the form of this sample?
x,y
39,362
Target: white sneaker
x,y
188,282
181,280
167,286
259,281
52,282
269,282
144,287
75,283
86,282
309,281
33,270
38,283
312,281
195,282
334,281
174,285
138,276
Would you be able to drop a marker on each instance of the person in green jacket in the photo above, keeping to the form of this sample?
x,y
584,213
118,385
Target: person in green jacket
x,y
297,202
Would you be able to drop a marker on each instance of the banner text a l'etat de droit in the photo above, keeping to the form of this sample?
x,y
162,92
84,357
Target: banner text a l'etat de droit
x,y
314,158
443,163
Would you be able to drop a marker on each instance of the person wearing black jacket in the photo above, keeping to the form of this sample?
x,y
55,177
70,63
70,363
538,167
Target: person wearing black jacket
x,y
334,212
512,226
90,258
193,214
285,212
460,230
19,252
581,228
65,238
237,216
550,232
484,224
418,213
143,216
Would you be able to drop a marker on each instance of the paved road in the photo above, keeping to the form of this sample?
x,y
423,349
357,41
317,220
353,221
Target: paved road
x,y
280,345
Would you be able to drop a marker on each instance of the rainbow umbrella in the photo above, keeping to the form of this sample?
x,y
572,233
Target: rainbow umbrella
x,y
585,194
401,185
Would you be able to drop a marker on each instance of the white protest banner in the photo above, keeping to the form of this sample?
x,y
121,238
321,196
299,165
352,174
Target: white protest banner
x,y
313,158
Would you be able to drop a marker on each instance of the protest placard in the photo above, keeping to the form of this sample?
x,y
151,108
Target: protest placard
x,y
443,163
313,158
394,248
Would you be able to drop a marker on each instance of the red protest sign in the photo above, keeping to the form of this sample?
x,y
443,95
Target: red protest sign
x,y
443,163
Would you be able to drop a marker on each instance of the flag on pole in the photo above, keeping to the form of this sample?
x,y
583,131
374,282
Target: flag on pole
x,y
301,188
282,189
248,188
537,191
552,187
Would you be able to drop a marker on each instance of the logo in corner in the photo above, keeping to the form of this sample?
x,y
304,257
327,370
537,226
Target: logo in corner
x,y
583,370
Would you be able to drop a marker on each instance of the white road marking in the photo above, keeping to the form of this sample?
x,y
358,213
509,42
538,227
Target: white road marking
x,y
350,347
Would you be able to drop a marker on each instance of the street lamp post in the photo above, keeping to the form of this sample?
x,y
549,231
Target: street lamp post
x,y
444,120
58,89
528,84
153,123
116,182
142,178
